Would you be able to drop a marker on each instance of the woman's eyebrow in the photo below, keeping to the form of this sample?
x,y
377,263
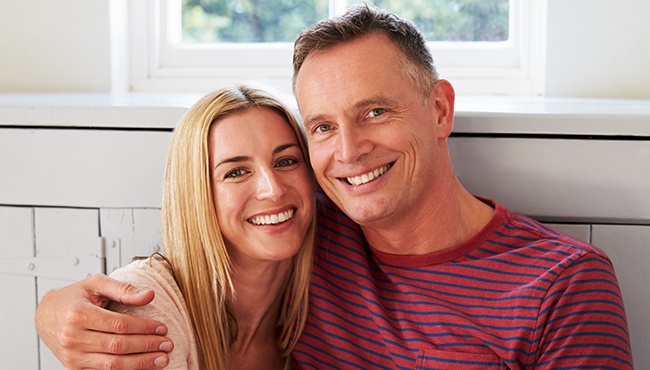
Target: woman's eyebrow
x,y
244,158
284,147
240,158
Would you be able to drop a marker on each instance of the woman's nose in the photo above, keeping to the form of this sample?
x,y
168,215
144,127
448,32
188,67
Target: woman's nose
x,y
270,185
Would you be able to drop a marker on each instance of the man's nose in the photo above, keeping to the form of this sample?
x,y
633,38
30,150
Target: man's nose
x,y
352,143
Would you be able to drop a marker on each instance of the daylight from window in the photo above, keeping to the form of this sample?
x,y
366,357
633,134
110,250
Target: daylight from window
x,y
270,21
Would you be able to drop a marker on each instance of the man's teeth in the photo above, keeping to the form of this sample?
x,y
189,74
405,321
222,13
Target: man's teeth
x,y
367,177
272,219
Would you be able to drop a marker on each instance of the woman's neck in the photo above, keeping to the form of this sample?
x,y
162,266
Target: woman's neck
x,y
256,306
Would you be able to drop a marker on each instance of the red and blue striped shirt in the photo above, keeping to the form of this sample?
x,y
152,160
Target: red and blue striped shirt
x,y
518,295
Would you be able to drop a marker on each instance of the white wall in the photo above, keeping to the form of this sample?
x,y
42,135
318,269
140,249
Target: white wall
x,y
61,45
598,48
595,48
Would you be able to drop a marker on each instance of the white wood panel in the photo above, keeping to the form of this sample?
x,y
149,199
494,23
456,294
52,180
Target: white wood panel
x,y
129,233
16,232
66,231
18,339
548,115
68,244
559,180
82,168
629,249
94,110
47,358
148,238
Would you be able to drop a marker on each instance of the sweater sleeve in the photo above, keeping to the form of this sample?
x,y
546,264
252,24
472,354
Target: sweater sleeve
x,y
582,320
168,306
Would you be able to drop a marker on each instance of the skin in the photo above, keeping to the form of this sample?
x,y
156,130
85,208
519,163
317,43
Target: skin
x,y
363,115
259,174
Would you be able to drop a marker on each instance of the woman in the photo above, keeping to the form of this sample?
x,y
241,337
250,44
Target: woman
x,y
238,223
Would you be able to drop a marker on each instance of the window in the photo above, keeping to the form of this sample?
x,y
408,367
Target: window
x,y
255,21
481,46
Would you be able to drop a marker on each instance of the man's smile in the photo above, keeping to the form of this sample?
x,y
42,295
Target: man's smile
x,y
367,177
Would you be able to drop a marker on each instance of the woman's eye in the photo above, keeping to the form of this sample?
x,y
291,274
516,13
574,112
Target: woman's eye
x,y
237,172
376,112
286,162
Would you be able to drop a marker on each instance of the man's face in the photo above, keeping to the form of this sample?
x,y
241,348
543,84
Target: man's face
x,y
372,137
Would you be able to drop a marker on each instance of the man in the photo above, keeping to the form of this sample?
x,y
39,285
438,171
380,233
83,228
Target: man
x,y
432,276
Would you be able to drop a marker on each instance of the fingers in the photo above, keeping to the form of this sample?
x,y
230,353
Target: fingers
x,y
91,349
105,361
91,317
101,289
73,342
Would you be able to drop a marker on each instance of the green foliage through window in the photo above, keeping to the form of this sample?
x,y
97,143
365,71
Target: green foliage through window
x,y
245,21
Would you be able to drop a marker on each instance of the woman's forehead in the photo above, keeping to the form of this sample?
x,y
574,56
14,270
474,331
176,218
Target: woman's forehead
x,y
253,128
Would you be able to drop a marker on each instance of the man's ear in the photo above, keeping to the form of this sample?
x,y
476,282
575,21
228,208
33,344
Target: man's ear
x,y
443,97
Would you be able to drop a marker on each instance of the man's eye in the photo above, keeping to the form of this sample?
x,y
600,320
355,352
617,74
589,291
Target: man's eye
x,y
286,162
376,112
237,172
323,128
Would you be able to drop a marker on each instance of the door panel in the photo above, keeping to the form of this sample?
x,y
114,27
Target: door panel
x,y
18,339
628,247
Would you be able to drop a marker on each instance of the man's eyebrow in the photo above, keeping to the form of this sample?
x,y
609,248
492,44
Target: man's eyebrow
x,y
373,100
309,121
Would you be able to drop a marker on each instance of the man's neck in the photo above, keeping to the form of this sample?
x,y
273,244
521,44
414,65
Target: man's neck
x,y
438,223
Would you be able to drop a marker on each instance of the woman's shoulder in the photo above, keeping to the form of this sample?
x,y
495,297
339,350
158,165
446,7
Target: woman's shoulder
x,y
168,306
147,273
153,273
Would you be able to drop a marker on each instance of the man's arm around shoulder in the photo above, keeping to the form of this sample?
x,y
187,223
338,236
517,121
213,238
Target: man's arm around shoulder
x,y
74,323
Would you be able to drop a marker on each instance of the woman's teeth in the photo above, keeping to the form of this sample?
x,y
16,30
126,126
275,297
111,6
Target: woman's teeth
x,y
272,219
367,177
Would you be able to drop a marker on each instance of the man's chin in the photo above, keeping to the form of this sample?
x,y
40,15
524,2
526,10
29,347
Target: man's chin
x,y
364,214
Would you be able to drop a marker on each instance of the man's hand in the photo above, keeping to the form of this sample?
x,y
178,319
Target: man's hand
x,y
82,334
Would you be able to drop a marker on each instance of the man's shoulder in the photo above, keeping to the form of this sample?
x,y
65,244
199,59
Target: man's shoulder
x,y
334,225
325,204
533,232
328,210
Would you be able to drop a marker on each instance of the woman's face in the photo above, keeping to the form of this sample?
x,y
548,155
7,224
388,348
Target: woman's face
x,y
260,185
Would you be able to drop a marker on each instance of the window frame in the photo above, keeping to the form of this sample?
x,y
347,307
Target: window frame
x,y
157,62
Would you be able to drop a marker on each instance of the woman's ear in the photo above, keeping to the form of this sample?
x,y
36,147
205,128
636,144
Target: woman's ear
x,y
443,97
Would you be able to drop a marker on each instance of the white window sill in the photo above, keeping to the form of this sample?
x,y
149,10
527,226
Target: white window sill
x,y
474,115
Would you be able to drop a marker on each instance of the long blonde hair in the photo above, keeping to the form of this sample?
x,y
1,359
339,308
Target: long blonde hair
x,y
194,245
